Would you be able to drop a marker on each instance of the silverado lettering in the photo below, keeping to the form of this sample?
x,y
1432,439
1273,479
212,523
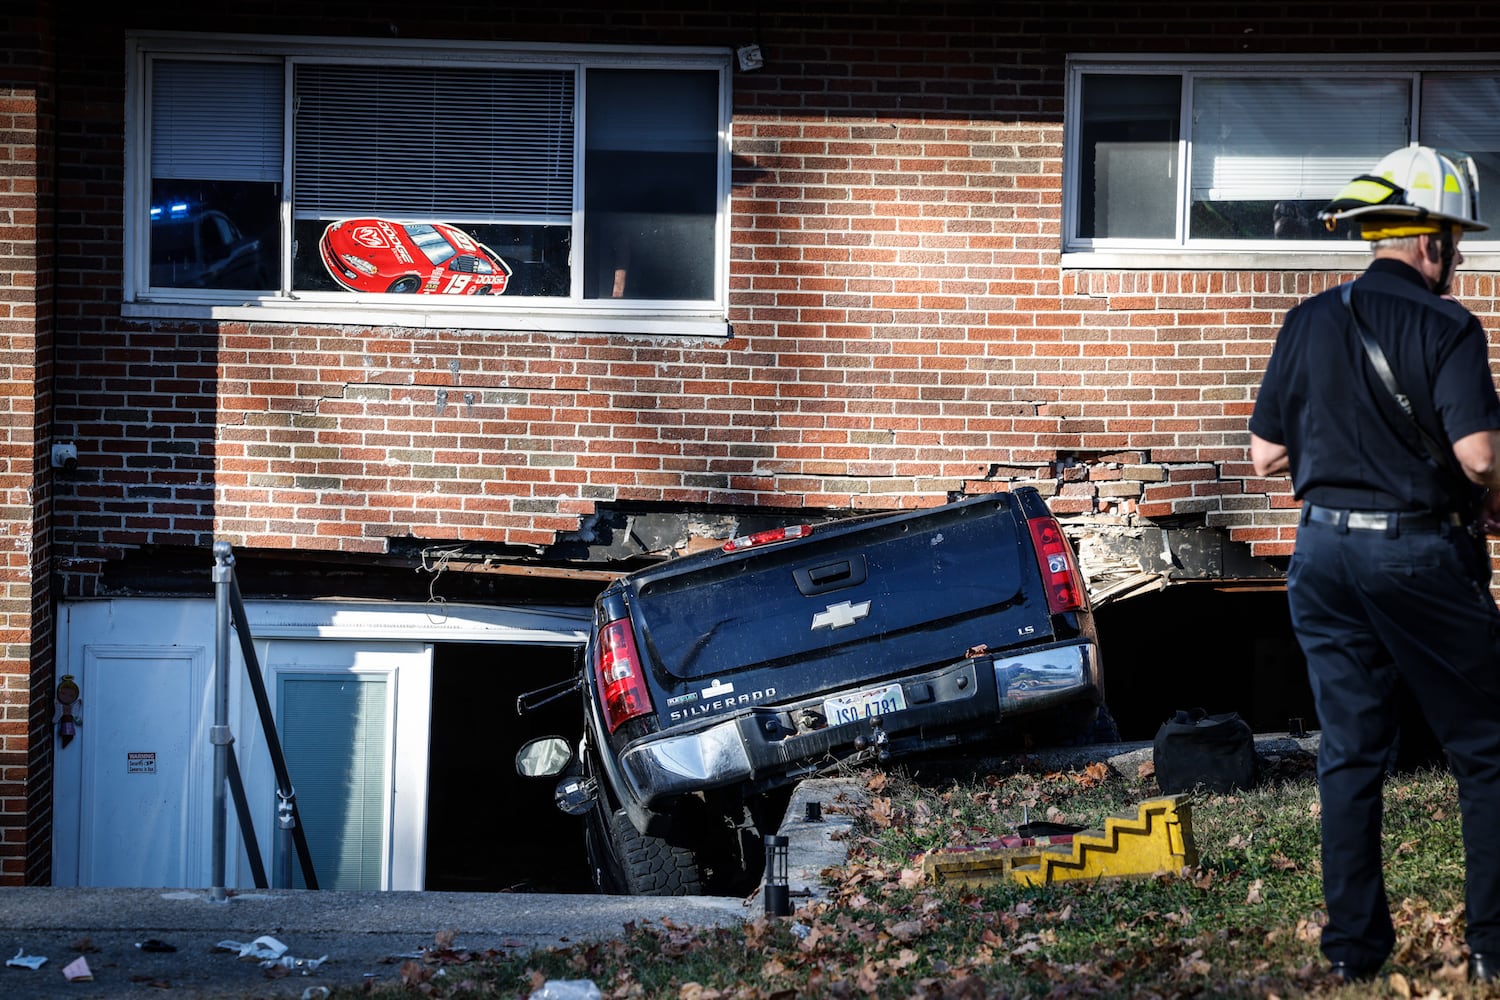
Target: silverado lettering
x,y
720,704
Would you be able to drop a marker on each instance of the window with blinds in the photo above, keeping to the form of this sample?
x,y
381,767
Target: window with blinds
x,y
432,176
433,142
1238,153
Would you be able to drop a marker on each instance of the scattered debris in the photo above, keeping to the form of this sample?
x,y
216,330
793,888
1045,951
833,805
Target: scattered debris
x,y
566,989
78,971
263,947
155,945
25,961
272,955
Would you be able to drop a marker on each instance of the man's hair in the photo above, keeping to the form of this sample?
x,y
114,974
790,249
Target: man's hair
x,y
1400,244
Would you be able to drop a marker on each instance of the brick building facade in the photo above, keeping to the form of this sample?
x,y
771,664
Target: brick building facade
x,y
902,325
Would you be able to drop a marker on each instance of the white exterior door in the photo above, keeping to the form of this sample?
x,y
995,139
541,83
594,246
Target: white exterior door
x,y
146,766
353,725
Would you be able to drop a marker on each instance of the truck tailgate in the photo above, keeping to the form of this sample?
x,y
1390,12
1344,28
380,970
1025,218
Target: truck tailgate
x,y
856,602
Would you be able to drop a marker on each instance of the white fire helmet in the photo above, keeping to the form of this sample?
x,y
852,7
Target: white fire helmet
x,y
1411,191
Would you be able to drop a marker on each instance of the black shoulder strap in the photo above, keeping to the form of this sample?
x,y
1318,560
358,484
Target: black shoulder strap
x,y
1388,379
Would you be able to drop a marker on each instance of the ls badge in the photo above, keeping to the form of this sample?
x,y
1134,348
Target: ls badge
x,y
840,615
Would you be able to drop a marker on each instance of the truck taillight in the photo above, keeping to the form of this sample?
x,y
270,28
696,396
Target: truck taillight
x,y
622,686
767,537
1060,577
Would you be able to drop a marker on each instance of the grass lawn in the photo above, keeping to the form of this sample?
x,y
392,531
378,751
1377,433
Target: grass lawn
x,y
1243,922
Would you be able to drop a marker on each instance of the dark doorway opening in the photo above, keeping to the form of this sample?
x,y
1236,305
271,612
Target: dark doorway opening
x,y
1222,650
1197,646
489,829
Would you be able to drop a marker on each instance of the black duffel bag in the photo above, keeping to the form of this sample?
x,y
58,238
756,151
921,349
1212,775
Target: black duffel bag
x,y
1194,749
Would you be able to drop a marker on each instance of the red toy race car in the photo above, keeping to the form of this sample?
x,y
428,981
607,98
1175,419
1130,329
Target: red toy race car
x,y
376,255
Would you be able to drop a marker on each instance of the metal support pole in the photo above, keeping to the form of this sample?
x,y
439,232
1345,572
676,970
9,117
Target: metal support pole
x,y
286,831
219,735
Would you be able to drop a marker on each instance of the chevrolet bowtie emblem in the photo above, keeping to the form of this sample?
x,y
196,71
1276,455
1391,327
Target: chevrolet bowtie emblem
x,y
841,614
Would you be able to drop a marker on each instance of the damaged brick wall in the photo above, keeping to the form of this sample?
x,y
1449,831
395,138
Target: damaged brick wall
x,y
903,326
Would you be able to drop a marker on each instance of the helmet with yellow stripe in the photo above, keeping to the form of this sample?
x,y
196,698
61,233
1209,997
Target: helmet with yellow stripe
x,y
1410,192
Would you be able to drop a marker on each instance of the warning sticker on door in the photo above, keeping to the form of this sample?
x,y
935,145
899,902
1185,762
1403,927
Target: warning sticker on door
x,y
140,763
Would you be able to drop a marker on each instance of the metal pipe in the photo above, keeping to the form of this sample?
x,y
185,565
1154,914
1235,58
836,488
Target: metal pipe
x,y
219,734
286,827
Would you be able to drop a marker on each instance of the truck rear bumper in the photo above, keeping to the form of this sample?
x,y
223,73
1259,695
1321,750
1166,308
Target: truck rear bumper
x,y
764,745
1042,678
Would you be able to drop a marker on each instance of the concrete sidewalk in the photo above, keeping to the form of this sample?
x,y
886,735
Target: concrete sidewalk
x,y
363,934
368,935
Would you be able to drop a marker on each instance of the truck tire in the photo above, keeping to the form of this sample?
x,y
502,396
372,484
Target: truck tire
x,y
650,866
600,850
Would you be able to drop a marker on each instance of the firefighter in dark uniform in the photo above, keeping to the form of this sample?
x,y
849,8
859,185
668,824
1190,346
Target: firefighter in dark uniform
x,y
1389,581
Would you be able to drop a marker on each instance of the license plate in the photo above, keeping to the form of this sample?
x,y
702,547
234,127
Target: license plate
x,y
853,707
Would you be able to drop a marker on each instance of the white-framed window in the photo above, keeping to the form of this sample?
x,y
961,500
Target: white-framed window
x,y
427,184
1238,155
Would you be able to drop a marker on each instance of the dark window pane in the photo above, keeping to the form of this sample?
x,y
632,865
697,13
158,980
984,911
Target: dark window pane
x,y
214,234
1287,219
651,184
1128,133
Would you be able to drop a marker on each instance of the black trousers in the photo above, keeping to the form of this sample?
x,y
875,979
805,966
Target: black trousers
x,y
1370,607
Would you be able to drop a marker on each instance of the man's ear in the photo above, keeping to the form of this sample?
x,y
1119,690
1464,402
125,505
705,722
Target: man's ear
x,y
1432,248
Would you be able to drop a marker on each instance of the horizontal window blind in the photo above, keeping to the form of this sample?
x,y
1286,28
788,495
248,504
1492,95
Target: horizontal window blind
x,y
1461,112
1294,139
219,121
432,142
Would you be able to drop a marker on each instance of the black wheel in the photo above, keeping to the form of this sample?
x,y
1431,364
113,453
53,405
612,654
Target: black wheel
x,y
405,285
603,864
1102,730
649,866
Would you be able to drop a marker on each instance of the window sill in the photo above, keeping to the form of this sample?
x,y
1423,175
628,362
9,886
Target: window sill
x,y
442,317
1244,260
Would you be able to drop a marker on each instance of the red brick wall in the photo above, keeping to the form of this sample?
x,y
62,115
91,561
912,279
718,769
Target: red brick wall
x,y
26,290
903,328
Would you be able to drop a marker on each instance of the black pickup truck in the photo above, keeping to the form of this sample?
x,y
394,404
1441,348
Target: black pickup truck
x,y
712,683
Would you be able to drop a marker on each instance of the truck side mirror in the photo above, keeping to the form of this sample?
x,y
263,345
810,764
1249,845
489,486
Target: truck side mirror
x,y
543,758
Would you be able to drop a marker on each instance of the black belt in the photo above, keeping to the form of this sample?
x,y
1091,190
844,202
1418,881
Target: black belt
x,y
1389,521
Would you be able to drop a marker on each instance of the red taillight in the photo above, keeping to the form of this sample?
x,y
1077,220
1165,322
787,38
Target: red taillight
x,y
1060,576
766,537
618,665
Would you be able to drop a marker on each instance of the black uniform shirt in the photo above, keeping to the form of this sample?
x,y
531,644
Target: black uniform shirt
x,y
1347,441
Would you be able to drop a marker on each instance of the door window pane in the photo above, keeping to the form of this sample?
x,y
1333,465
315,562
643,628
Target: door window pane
x,y
335,736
